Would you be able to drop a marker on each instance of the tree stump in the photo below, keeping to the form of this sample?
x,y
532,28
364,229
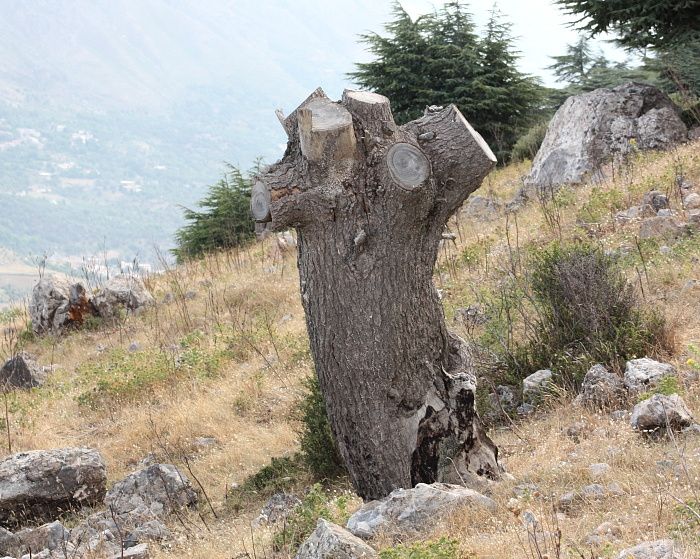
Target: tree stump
x,y
370,200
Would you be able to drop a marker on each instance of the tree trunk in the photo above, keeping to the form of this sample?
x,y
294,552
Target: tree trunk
x,y
370,201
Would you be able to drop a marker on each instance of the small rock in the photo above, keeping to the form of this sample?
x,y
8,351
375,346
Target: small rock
x,y
191,295
50,536
656,200
414,510
205,442
525,409
691,201
660,412
329,541
694,429
635,212
663,249
137,552
120,294
660,549
619,415
21,371
504,397
599,470
576,430
9,543
593,492
642,374
40,484
482,208
159,489
134,347
525,490
536,384
153,530
661,227
601,389
278,508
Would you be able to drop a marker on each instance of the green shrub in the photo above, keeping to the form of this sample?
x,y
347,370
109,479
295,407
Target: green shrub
x,y
318,447
667,386
529,143
583,312
299,525
444,548
279,475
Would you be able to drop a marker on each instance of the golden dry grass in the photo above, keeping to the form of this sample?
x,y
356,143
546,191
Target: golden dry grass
x,y
235,320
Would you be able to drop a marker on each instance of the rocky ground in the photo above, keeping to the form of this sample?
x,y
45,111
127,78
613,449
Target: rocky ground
x,y
176,406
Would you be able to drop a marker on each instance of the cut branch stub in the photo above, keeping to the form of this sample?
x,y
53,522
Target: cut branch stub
x,y
408,166
373,111
325,131
260,202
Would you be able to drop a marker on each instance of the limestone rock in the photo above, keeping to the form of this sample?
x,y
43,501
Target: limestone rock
x,y
660,412
590,128
657,200
9,543
659,549
52,536
536,384
157,489
278,507
21,371
601,389
121,293
412,510
41,484
56,304
661,227
329,541
482,208
691,201
642,374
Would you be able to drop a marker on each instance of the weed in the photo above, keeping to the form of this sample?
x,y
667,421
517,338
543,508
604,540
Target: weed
x,y
444,548
667,386
318,447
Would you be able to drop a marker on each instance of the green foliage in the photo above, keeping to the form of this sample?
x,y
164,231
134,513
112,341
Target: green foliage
x,y
318,447
444,548
315,504
580,310
224,222
279,475
127,376
637,23
601,203
667,386
527,146
439,59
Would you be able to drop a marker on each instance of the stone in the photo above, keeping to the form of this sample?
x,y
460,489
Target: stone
x,y
660,412
661,227
525,409
278,507
41,484
52,536
601,389
659,549
159,489
589,129
482,208
56,304
694,218
536,384
121,294
152,530
691,201
414,510
9,543
504,397
599,470
330,541
643,374
576,430
657,200
605,533
21,371
136,552
634,213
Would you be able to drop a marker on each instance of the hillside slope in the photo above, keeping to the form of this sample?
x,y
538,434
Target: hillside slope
x,y
225,353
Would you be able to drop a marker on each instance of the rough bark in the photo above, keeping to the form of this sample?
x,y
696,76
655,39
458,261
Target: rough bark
x,y
370,202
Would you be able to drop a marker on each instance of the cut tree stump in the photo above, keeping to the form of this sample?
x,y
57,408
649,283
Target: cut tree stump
x,y
370,200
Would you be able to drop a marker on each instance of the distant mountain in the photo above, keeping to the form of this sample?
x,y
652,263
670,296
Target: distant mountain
x,y
113,113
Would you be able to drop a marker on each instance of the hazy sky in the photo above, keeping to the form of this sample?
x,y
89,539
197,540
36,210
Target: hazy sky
x,y
539,26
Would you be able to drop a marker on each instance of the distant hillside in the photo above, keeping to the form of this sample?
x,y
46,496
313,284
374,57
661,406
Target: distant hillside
x,y
115,113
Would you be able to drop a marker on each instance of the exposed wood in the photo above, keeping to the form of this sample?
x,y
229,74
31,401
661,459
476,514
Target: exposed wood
x,y
408,166
325,131
370,212
260,202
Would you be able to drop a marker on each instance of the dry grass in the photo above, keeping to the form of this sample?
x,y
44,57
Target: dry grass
x,y
226,356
